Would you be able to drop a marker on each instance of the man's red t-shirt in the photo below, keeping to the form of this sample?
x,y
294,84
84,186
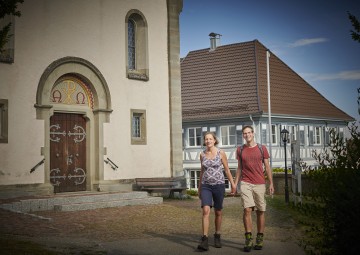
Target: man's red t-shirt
x,y
252,164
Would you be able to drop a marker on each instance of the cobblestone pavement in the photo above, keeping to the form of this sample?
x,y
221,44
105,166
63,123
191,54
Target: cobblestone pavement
x,y
102,231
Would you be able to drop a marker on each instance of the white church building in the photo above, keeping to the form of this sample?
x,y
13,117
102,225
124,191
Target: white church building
x,y
90,95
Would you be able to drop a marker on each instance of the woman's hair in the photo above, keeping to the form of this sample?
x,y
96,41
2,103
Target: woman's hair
x,y
213,134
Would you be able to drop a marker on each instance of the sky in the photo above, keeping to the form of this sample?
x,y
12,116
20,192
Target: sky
x,y
312,37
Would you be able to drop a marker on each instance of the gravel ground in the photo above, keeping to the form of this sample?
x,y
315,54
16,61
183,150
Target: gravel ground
x,y
84,232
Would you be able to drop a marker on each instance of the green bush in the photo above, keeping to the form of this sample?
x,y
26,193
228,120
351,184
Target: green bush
x,y
192,192
280,170
334,198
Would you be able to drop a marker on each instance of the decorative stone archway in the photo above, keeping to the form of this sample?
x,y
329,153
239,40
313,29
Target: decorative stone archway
x,y
96,111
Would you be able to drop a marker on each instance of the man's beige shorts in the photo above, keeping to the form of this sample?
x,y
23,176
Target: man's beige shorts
x,y
253,195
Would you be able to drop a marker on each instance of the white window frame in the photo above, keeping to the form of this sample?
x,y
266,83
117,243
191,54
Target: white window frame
x,y
274,134
197,133
228,135
196,179
317,135
292,133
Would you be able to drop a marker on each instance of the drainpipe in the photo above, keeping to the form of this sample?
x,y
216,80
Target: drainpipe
x,y
253,124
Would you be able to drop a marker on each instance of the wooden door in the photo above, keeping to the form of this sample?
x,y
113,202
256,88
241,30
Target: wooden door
x,y
68,152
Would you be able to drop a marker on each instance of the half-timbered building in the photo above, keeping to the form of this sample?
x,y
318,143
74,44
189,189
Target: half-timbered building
x,y
227,87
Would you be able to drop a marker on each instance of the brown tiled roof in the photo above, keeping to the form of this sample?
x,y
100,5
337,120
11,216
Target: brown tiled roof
x,y
231,81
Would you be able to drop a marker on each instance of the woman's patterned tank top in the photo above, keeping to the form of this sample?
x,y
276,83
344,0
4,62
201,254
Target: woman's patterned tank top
x,y
213,170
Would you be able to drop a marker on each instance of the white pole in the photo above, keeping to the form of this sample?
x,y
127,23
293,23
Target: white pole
x,y
269,104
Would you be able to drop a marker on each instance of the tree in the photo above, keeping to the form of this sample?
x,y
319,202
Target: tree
x,y
356,24
335,195
7,7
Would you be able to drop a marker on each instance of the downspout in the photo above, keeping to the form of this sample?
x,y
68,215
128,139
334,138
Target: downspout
x,y
253,123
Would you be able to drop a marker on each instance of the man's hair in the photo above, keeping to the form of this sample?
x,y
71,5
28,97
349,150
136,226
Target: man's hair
x,y
213,134
252,129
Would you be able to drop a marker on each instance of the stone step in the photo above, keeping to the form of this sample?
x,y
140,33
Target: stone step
x,y
108,204
87,200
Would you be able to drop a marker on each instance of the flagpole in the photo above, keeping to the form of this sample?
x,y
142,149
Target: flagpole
x,y
269,104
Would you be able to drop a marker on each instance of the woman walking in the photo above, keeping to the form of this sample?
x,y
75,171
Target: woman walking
x,y
212,187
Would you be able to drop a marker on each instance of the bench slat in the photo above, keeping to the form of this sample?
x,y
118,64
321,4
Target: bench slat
x,y
148,184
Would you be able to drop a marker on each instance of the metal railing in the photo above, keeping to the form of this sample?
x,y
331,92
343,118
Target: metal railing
x,y
37,165
111,163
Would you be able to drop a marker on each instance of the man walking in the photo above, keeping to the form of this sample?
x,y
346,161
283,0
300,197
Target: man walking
x,y
250,172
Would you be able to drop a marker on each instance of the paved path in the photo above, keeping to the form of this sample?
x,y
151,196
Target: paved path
x,y
186,245
171,228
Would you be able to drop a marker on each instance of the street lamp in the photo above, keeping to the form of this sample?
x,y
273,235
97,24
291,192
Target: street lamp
x,y
359,100
285,137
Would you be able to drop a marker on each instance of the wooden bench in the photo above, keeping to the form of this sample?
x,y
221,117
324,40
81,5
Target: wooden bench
x,y
160,185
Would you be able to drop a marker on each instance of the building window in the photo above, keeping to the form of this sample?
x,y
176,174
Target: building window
x,y
131,45
317,136
341,133
302,135
136,40
274,134
292,133
138,126
195,179
3,121
194,137
239,136
7,53
228,135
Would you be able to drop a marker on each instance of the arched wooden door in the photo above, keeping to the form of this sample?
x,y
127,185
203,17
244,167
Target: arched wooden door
x,y
68,152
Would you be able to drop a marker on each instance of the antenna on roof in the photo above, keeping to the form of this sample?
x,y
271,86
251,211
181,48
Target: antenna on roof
x,y
214,40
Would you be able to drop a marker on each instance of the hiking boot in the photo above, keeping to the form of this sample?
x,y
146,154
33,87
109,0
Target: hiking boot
x,y
217,241
204,244
259,242
248,242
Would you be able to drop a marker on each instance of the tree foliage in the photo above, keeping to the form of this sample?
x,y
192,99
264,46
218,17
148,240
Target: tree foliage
x,y
335,195
8,7
355,34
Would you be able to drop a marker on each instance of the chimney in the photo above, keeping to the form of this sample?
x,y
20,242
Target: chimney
x,y
214,40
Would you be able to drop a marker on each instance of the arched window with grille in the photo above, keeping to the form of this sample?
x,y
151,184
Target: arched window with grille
x,y
131,45
137,46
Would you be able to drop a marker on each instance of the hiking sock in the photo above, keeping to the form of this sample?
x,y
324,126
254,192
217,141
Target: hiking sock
x,y
248,242
259,241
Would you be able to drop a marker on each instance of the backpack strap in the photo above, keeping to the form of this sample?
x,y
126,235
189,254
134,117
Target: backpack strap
x,y
261,150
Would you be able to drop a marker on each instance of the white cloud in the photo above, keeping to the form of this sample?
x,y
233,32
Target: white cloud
x,y
304,42
344,75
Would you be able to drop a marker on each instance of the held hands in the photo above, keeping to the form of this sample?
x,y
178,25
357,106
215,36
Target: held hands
x,y
233,189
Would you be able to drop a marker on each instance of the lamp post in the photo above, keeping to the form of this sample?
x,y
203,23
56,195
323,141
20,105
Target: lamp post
x,y
358,100
285,137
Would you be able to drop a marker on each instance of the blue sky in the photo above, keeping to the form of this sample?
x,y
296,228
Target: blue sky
x,y
311,36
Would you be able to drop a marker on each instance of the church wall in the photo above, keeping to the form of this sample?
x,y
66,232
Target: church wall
x,y
94,31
